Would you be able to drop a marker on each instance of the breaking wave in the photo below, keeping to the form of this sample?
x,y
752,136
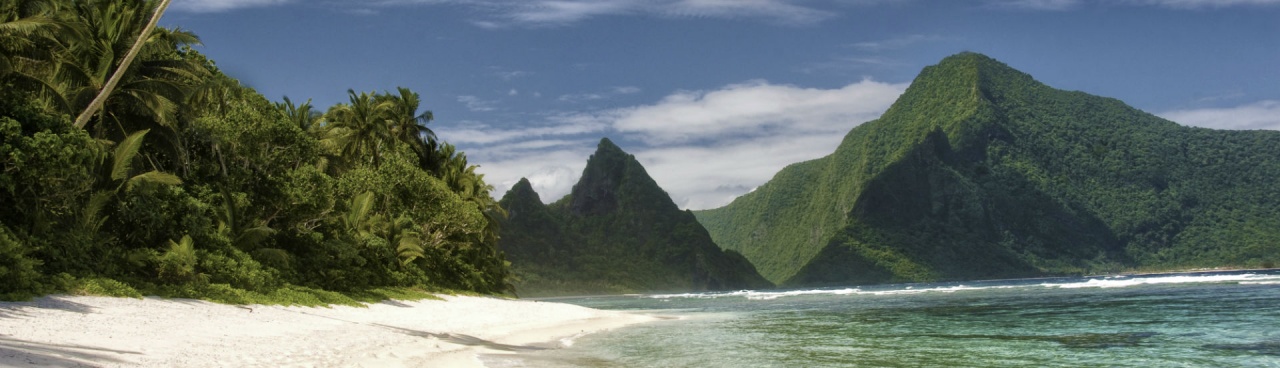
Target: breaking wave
x,y
1058,283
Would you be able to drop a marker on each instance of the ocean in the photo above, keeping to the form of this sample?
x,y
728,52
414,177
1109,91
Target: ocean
x,y
1206,319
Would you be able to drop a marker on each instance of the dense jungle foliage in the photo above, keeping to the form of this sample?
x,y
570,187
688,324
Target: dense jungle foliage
x,y
980,171
616,232
186,183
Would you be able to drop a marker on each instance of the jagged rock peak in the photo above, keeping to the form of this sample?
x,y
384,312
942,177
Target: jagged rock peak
x,y
596,192
523,189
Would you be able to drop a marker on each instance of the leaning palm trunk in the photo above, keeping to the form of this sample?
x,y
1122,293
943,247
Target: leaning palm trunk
x,y
124,65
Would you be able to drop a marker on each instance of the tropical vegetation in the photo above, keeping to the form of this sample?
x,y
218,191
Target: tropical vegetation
x,y
131,164
183,182
980,171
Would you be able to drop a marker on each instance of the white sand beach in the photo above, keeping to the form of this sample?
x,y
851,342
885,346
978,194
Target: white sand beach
x,y
73,331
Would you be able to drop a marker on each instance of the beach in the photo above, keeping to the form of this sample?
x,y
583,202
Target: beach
x,y
154,332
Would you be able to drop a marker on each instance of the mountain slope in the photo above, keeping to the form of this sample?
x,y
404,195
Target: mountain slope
x,y
616,232
979,171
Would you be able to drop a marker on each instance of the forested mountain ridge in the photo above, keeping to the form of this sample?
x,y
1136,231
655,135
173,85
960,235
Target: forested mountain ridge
x,y
980,171
616,232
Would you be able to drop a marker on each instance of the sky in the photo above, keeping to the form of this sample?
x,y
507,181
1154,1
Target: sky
x,y
714,97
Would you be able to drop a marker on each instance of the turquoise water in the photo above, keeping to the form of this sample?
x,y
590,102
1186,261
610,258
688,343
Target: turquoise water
x,y
1221,319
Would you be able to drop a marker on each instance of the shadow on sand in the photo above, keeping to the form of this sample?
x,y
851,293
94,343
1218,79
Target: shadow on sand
x,y
48,302
463,339
59,355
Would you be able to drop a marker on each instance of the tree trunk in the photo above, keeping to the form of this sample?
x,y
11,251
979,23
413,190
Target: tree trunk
x,y
124,65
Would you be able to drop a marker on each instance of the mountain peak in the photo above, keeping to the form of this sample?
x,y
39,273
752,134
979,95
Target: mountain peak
x,y
597,191
617,232
612,179
990,75
973,61
524,188
607,145
521,199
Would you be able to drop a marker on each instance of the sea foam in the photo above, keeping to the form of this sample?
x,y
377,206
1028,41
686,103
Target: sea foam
x,y
1094,282
1117,282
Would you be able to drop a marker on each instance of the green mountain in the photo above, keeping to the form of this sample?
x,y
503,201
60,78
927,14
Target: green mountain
x,y
616,232
980,171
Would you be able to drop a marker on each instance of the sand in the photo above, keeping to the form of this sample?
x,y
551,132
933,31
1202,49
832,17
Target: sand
x,y
153,332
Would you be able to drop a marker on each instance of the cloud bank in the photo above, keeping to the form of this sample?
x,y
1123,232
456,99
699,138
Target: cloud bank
x,y
555,13
214,6
1060,5
1197,4
1258,115
704,147
564,12
499,14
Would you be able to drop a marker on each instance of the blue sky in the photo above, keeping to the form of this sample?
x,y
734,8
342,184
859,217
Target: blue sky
x,y
715,96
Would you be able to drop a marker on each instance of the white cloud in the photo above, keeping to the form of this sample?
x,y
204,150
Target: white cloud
x,y
1196,4
756,109
551,172
552,13
775,10
474,103
568,11
556,126
580,97
896,42
554,182
1052,5
1258,115
513,92
508,75
850,64
213,6
585,97
1058,5
710,176
487,24
704,148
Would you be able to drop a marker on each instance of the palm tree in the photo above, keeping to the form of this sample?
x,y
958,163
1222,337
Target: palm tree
x,y
462,178
212,95
142,39
28,29
406,125
300,115
97,75
358,128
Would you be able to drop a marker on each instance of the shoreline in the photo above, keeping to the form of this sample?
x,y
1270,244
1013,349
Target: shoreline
x,y
63,330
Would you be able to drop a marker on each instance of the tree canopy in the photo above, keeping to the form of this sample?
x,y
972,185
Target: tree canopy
x,y
187,183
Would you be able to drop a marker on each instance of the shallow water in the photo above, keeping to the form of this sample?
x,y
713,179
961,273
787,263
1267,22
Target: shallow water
x,y
1169,320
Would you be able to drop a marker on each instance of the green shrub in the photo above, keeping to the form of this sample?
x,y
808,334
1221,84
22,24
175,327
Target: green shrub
x,y
19,274
102,287
178,263
237,269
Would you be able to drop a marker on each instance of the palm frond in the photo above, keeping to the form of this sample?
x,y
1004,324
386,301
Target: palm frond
x,y
251,237
179,260
153,176
408,249
90,217
122,158
29,26
358,210
274,257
